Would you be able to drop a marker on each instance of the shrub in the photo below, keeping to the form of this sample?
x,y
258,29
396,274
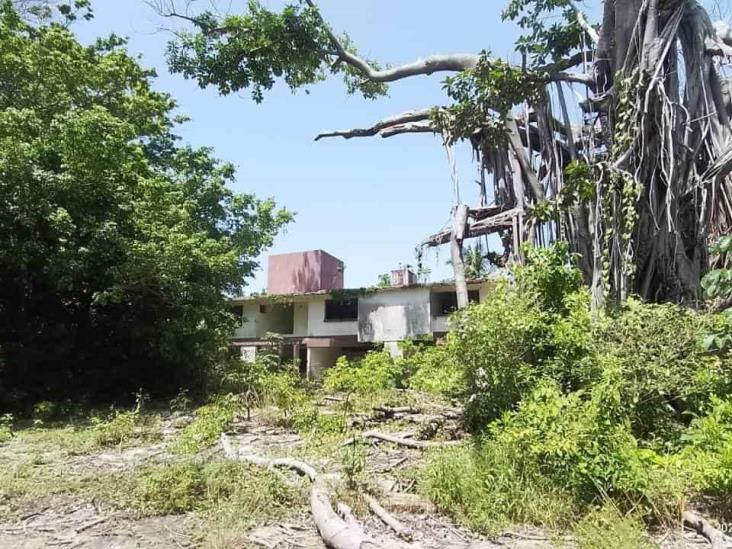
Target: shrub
x,y
488,487
210,421
192,486
548,276
577,440
435,370
376,371
116,430
45,411
606,528
498,343
6,427
664,376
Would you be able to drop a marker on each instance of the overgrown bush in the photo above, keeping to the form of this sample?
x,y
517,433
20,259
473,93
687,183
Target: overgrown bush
x,y
6,427
434,370
376,371
193,486
489,487
210,421
628,409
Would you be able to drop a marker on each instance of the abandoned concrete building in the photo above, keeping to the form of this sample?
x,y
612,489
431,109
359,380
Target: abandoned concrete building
x,y
316,320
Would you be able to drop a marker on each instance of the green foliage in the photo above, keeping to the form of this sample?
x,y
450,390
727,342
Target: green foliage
x,y
579,443
540,42
498,343
626,409
193,486
6,427
548,276
384,280
434,370
653,355
255,48
210,421
376,371
118,244
606,528
488,488
353,459
123,427
717,283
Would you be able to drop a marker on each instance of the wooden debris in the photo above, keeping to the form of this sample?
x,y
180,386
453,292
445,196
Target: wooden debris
x,y
335,532
400,529
417,444
701,526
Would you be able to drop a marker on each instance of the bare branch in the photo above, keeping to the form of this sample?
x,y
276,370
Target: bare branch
x,y
434,63
589,29
405,122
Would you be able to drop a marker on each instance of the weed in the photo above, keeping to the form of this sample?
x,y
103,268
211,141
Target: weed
x,y
6,427
217,488
606,528
488,488
353,459
210,421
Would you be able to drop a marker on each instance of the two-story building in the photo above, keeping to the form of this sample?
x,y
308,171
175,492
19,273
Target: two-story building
x,y
317,320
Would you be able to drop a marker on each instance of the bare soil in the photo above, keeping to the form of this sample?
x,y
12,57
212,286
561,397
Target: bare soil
x,y
55,518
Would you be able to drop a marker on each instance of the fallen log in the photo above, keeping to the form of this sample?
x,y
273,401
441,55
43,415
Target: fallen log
x,y
417,444
335,532
400,529
702,527
392,410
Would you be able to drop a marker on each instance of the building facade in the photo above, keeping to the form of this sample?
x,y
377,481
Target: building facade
x,y
316,322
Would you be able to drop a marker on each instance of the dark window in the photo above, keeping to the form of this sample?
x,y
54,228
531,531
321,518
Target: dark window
x,y
341,309
263,309
447,301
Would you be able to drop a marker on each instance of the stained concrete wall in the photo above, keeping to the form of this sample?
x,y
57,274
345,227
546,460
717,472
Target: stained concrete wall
x,y
394,315
248,326
300,319
278,318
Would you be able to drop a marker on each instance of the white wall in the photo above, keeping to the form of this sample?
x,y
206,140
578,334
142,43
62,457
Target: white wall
x,y
317,326
301,319
277,319
394,315
248,327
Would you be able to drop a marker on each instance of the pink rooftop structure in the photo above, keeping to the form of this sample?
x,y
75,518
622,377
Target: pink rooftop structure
x,y
304,272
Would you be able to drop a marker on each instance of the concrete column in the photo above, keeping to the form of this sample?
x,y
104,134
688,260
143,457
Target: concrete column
x,y
394,349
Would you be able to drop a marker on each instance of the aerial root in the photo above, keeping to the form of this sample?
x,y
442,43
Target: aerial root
x,y
702,527
400,529
336,532
399,441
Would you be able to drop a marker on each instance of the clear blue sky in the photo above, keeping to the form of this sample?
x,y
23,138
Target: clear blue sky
x,y
368,201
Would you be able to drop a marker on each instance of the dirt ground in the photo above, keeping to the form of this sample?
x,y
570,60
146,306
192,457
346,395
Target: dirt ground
x,y
71,520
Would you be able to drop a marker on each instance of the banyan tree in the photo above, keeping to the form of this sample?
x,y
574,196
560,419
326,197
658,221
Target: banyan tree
x,y
638,185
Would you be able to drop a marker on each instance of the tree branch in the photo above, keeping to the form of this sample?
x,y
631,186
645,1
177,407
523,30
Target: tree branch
x,y
589,29
417,121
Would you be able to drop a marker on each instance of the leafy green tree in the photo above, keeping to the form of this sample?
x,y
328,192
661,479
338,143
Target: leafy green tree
x,y
117,243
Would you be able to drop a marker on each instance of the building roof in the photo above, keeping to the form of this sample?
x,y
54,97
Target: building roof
x,y
358,291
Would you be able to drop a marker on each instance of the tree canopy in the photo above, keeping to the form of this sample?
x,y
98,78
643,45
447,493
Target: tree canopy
x,y
118,244
638,185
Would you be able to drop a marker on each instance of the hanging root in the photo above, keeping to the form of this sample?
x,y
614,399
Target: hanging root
x,y
335,532
703,528
417,444
401,529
